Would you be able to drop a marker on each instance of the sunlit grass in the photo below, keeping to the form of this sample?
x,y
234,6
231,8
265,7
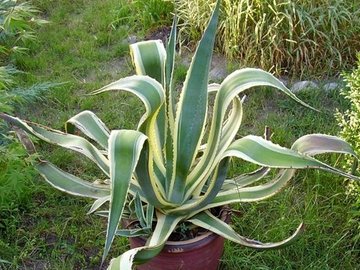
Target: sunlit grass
x,y
316,198
317,38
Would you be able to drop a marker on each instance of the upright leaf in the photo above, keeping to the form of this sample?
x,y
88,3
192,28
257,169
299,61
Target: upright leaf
x,y
191,111
170,104
169,69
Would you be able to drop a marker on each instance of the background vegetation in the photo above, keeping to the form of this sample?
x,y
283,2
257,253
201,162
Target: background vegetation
x,y
86,46
18,22
349,122
295,38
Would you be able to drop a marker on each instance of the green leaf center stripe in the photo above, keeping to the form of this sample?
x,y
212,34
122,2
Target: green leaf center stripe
x,y
124,151
148,181
169,71
170,105
148,90
69,141
157,179
245,179
164,227
91,126
233,85
208,221
69,183
229,130
264,153
151,93
149,59
251,194
214,186
191,111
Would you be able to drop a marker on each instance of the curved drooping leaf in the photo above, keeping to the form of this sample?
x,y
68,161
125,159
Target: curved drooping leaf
x,y
90,125
234,84
264,153
245,179
69,141
124,151
191,111
259,151
98,203
69,183
149,59
148,90
164,227
209,222
151,93
252,194
314,144
329,144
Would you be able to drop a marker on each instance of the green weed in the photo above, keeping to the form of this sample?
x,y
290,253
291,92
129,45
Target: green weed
x,y
349,121
142,14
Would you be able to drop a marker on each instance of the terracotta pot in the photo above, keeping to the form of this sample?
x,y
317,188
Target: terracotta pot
x,y
202,252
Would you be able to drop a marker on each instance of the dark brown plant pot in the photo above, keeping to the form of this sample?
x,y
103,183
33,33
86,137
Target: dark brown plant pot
x,y
202,252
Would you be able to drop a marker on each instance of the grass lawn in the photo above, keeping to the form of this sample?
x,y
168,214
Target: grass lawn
x,y
85,46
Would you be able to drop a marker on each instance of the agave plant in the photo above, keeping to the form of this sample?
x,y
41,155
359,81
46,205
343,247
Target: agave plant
x,y
174,166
